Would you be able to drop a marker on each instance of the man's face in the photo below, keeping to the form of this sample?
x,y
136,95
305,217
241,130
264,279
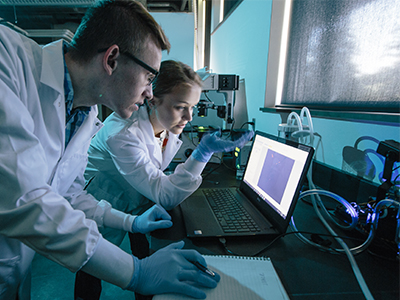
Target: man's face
x,y
130,82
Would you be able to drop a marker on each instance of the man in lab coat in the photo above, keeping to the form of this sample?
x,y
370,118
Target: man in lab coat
x,y
48,98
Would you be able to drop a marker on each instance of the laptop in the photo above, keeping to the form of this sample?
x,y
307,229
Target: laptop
x,y
273,178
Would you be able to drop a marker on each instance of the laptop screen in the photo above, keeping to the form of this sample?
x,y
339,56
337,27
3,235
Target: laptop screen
x,y
274,171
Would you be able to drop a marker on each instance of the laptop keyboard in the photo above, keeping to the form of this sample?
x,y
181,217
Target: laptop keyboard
x,y
229,212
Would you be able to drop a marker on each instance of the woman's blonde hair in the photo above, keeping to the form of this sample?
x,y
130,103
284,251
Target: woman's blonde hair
x,y
172,74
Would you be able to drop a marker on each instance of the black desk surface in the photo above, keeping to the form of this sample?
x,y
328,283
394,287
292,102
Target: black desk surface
x,y
306,272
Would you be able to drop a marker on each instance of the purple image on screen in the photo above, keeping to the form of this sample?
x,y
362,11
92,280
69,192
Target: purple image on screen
x,y
275,174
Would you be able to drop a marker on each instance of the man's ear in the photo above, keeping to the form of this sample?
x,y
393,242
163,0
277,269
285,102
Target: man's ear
x,y
110,59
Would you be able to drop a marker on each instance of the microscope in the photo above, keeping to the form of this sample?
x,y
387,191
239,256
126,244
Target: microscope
x,y
221,83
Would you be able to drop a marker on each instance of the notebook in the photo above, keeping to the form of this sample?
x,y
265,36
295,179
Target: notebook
x,y
252,278
272,181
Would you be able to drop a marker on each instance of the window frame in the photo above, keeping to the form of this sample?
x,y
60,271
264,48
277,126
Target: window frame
x,y
277,50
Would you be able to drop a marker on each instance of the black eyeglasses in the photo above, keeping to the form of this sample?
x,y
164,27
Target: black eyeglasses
x,y
140,63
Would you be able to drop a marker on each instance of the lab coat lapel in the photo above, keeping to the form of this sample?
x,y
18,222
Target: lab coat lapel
x,y
173,145
86,131
52,75
148,133
74,160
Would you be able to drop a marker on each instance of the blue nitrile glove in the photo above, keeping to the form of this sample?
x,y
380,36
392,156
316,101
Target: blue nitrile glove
x,y
154,218
170,270
212,143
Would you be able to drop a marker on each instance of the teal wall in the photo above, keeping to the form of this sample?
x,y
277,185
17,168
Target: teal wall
x,y
240,46
179,28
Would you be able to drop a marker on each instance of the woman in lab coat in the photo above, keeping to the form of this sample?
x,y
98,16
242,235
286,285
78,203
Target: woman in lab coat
x,y
127,157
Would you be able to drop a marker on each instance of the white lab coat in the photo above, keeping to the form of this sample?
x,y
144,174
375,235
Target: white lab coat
x,y
126,167
40,181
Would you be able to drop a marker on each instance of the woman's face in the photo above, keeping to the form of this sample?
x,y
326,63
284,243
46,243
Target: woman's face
x,y
175,109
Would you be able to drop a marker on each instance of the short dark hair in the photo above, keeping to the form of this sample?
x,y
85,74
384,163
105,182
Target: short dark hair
x,y
125,23
174,73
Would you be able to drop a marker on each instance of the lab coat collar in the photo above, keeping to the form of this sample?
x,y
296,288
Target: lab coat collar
x,y
53,66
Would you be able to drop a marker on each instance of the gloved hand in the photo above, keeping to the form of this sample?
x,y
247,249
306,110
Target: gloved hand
x,y
212,143
154,218
170,270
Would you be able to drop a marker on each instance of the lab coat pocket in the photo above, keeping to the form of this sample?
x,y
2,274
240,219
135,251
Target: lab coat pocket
x,y
8,274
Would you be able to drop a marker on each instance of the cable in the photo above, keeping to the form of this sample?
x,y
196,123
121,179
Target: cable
x,y
292,117
322,146
395,179
349,208
247,123
206,95
211,171
306,113
355,250
301,133
223,241
346,249
353,263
